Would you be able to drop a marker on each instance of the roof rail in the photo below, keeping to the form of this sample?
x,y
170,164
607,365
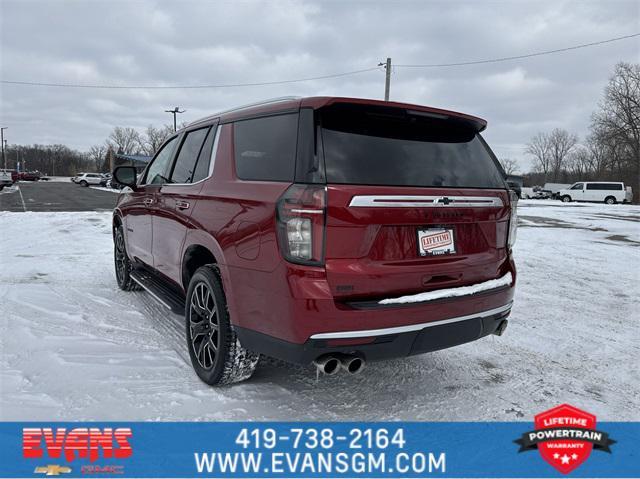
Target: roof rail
x,y
244,107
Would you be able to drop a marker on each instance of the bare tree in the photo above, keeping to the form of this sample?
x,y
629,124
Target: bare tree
x,y
154,138
580,163
509,165
97,154
617,122
561,142
540,148
124,140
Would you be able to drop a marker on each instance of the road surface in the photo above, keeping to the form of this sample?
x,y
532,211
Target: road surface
x,y
55,196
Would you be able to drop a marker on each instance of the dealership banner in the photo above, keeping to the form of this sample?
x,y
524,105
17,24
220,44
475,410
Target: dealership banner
x,y
323,449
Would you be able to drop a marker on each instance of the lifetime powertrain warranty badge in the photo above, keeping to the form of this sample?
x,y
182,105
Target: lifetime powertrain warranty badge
x,y
565,437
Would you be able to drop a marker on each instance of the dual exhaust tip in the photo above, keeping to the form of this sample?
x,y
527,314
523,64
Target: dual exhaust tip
x,y
330,364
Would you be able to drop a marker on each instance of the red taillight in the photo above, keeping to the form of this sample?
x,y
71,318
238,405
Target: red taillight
x,y
301,213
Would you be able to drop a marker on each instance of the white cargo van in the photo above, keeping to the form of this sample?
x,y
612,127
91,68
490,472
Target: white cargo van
x,y
595,191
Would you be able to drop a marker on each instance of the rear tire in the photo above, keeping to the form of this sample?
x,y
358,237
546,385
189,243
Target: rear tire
x,y
610,200
566,199
216,354
122,262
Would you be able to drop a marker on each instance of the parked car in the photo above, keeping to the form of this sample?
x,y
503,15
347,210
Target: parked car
x,y
5,179
596,191
526,192
12,173
535,192
552,190
330,231
86,179
29,175
106,178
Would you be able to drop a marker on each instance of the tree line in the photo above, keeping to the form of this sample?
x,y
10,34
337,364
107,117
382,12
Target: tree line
x,y
60,160
611,149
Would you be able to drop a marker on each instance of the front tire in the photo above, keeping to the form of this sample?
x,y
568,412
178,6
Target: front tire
x,y
84,183
216,354
566,199
122,262
610,200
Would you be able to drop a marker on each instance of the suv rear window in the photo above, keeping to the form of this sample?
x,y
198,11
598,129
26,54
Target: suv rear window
x,y
265,148
390,146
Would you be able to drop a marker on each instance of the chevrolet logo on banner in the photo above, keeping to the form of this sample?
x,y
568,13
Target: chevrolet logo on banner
x,y
52,470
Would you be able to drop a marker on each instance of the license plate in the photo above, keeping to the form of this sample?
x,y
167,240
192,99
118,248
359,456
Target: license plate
x,y
435,241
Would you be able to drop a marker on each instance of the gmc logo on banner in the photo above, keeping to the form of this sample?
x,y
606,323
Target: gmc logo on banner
x,y
77,443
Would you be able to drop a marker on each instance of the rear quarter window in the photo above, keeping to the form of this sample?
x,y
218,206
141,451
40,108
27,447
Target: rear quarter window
x,y
265,148
604,186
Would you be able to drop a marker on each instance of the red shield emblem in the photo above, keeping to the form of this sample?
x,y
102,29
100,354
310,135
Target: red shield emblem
x,y
566,454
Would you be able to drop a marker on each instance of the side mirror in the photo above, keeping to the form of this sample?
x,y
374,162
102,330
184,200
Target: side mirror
x,y
126,175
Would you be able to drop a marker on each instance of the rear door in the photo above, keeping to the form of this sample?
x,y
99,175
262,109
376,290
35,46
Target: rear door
x,y
177,199
414,203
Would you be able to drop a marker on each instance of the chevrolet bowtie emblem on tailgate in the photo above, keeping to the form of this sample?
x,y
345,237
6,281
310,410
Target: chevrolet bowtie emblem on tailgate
x,y
52,470
442,201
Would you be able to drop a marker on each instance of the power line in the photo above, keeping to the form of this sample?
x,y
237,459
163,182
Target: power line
x,y
321,77
518,57
192,87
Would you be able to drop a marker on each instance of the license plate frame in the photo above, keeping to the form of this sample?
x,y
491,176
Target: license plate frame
x,y
435,241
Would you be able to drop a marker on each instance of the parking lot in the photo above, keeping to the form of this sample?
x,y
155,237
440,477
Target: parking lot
x,y
76,347
61,195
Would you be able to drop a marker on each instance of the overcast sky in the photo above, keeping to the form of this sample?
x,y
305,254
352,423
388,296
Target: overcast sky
x,y
205,42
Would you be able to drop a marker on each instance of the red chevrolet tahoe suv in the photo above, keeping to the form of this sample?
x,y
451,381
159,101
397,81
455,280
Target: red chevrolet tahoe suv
x,y
321,230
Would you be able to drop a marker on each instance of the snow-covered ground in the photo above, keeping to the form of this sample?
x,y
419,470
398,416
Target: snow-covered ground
x,y
75,347
59,179
9,189
104,188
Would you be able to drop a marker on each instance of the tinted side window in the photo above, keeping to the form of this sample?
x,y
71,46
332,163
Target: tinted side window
x,y
604,186
577,187
158,170
185,164
202,166
265,148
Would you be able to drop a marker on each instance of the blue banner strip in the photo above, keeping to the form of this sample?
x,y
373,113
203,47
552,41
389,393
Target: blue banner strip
x,y
287,450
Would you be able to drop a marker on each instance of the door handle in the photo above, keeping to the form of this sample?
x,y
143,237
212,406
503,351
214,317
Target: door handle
x,y
182,205
148,201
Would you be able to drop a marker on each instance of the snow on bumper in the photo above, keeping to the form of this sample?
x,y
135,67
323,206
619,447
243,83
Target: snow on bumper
x,y
505,280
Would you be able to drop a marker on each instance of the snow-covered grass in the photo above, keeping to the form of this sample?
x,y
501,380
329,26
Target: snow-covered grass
x,y
75,347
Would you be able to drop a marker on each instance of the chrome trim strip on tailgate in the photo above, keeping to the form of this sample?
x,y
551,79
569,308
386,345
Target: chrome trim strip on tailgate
x,y
394,201
409,328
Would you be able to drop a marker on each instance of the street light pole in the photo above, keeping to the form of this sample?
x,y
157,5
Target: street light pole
x,y
174,112
4,158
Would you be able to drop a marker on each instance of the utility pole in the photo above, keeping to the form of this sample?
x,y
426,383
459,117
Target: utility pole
x,y
387,80
4,158
174,112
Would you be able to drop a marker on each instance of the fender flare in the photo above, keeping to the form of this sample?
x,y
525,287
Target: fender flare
x,y
202,238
